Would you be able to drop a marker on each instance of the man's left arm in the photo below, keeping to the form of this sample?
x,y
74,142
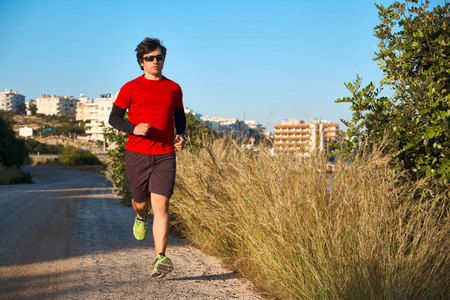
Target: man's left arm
x,y
180,127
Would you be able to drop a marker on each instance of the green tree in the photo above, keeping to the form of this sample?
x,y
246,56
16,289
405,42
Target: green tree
x,y
22,108
413,54
13,151
32,108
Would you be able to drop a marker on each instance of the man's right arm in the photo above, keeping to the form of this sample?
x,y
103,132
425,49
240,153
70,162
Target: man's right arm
x,y
116,120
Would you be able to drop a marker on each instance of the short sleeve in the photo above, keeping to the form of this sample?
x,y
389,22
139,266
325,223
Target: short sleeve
x,y
124,98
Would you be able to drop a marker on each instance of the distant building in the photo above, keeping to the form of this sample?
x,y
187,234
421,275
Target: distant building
x,y
303,136
26,131
96,112
83,108
254,128
222,125
11,100
57,105
236,127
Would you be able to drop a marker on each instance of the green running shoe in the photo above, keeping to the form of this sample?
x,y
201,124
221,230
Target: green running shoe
x,y
140,229
162,266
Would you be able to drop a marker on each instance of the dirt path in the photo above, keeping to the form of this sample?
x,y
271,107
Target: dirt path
x,y
67,237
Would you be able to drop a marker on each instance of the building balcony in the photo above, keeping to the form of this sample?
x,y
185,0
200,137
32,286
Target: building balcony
x,y
291,132
290,138
283,126
94,130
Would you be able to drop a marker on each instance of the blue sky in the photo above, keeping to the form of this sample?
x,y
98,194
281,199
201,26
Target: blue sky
x,y
258,60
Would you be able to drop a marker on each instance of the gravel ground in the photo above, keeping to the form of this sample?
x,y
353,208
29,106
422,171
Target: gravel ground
x,y
67,237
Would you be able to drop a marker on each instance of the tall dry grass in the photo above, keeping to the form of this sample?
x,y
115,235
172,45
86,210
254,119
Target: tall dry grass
x,y
300,233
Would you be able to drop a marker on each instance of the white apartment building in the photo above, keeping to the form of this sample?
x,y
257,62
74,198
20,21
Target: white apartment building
x,y
57,105
11,100
97,113
303,136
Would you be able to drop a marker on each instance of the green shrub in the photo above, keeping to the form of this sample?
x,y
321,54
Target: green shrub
x,y
34,146
73,156
7,174
22,178
415,122
116,171
13,175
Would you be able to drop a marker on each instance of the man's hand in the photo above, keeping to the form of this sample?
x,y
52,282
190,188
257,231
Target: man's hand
x,y
141,129
179,145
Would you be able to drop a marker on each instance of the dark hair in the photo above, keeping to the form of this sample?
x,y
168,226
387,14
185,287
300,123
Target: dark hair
x,y
146,46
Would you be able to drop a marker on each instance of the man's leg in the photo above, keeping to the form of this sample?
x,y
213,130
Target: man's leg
x,y
160,206
140,208
161,184
140,222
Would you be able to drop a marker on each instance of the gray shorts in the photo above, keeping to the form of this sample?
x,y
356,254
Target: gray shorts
x,y
150,174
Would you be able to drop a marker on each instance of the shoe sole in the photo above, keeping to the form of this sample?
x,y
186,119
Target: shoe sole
x,y
163,268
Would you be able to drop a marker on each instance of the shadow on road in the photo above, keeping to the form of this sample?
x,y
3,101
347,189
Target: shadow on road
x,y
224,276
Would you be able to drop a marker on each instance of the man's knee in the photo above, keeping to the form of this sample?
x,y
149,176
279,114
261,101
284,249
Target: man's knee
x,y
160,203
140,205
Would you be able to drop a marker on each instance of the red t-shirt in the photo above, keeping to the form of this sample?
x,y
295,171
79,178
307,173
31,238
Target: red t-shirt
x,y
152,102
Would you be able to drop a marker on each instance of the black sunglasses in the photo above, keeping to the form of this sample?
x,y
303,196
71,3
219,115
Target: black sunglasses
x,y
159,57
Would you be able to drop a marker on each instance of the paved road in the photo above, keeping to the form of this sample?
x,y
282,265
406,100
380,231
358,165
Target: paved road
x,y
67,237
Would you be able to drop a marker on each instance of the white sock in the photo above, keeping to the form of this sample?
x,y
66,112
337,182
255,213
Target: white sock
x,y
141,218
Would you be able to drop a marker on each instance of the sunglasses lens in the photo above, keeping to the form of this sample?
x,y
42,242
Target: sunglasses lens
x,y
151,58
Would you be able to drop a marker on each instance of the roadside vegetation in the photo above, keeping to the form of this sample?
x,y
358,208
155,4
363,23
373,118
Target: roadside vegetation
x,y
116,171
73,156
66,155
298,232
13,153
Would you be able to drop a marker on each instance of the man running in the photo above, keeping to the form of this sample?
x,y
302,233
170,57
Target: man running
x,y
155,104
